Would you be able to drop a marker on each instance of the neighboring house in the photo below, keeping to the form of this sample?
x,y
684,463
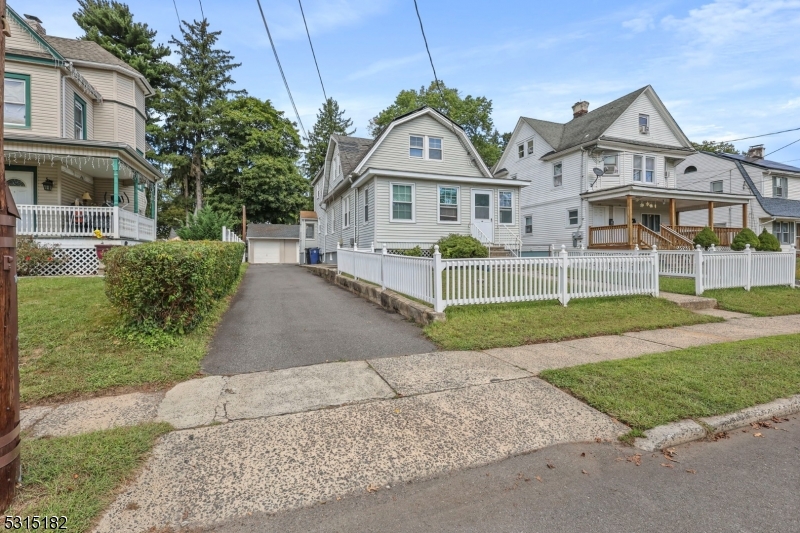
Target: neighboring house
x,y
419,180
606,178
309,229
774,186
74,142
273,243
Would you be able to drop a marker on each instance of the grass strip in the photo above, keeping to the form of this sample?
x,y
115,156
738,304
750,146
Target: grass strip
x,y
479,327
79,476
759,301
657,389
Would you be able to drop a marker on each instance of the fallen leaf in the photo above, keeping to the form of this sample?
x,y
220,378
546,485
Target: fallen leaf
x,y
598,439
550,466
539,479
584,472
372,488
635,459
670,452
667,465
692,471
758,435
583,454
74,476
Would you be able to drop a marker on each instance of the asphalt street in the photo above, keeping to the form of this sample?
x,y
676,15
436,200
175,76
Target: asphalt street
x,y
283,316
742,483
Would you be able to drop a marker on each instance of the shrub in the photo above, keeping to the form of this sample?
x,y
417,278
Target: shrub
x,y
31,256
170,286
767,242
461,247
413,252
206,225
706,238
743,238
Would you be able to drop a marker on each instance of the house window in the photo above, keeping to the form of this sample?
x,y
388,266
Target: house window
x,y
417,147
346,213
529,224
690,169
448,204
649,169
716,186
402,203
572,217
309,231
644,168
530,147
506,208
611,165
783,232
644,124
652,222
435,148
780,187
79,118
521,151
557,174
17,103
366,205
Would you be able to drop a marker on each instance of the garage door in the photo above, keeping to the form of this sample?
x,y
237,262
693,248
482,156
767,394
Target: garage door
x,y
267,251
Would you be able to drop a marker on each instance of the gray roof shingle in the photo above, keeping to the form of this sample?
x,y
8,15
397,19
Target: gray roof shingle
x,y
273,231
80,50
351,151
776,207
763,163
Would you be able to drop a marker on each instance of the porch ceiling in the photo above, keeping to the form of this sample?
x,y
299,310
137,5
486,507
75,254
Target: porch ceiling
x,y
685,200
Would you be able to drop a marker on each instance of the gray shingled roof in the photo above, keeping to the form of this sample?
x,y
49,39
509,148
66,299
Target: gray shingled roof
x,y
763,163
273,231
588,127
80,50
777,207
351,151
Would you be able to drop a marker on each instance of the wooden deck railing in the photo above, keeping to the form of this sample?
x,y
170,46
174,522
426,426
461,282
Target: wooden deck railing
x,y
725,235
677,240
649,238
670,237
608,236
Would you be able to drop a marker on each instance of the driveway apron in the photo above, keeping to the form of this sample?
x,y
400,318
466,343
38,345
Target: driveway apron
x,y
283,316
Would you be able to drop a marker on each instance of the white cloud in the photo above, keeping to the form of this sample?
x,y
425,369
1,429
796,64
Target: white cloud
x,y
639,24
792,104
386,64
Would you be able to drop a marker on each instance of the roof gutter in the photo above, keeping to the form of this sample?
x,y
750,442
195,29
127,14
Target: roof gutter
x,y
372,172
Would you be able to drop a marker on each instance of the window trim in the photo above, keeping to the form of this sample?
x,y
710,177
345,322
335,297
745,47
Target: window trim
x,y
346,212
413,203
722,186
639,124
784,181
643,169
529,147
27,79
410,147
521,148
439,204
425,147
500,208
561,184
577,217
526,219
313,234
82,102
790,234
366,205
614,154
428,147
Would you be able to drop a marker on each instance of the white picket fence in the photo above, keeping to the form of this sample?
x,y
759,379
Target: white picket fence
x,y
747,269
445,282
229,236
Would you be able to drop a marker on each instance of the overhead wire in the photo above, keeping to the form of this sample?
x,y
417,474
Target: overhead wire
x,y
176,12
201,9
782,147
762,135
314,55
280,68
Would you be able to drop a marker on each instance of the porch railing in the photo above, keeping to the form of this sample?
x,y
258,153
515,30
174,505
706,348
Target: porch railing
x,y
725,235
600,236
670,237
79,221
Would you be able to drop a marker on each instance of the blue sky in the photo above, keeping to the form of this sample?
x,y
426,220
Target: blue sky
x,y
725,69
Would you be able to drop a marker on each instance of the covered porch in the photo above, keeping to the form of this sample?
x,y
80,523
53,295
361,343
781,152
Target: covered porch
x,y
639,215
67,189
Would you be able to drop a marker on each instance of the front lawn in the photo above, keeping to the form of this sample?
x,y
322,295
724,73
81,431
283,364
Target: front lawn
x,y
69,346
79,476
760,301
656,389
478,327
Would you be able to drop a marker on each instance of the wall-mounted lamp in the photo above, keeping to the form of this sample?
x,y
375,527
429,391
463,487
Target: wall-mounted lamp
x,y
47,184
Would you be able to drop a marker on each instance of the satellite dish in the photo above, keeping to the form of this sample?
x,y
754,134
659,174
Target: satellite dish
x,y
598,171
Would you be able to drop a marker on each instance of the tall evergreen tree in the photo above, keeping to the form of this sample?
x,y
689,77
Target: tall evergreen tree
x,y
201,84
330,121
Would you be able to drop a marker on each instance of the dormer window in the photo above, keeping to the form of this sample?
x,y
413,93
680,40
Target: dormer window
x,y
644,124
530,147
690,169
434,148
424,147
417,147
521,151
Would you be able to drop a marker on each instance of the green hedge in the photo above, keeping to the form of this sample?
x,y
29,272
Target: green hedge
x,y
456,246
171,286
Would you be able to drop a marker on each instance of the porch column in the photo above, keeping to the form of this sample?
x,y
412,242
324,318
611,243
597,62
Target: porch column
x,y
711,215
673,219
744,216
115,166
153,200
136,192
629,215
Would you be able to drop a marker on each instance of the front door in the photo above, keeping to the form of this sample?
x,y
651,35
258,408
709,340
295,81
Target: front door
x,y
21,185
482,215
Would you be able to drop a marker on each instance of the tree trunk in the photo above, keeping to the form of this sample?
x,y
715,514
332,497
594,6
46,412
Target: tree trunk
x,y
197,172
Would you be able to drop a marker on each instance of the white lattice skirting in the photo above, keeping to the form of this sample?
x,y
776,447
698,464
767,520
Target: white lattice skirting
x,y
71,262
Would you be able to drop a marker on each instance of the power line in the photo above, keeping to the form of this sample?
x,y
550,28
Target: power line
x,y
782,147
762,135
278,61
427,49
789,161
201,9
176,12
312,49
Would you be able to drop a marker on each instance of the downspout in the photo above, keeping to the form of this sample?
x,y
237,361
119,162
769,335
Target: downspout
x,y
63,106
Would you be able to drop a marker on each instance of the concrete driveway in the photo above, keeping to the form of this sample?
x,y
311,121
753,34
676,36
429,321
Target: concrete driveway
x,y
283,316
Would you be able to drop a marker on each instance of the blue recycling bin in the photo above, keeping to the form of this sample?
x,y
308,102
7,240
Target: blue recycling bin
x,y
313,256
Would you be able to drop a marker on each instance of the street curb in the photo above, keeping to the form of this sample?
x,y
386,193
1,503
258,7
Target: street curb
x,y
685,431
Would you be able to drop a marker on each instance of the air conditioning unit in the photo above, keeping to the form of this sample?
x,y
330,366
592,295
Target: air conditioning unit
x,y
644,129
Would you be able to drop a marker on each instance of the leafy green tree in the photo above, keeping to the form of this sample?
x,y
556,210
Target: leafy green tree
x,y
767,242
743,238
254,163
706,237
330,121
206,225
474,114
714,146
201,85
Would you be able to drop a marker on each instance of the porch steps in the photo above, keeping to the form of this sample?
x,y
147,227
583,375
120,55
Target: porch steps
x,y
686,301
499,251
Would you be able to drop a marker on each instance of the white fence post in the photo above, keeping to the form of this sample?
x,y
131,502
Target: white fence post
x,y
383,275
563,263
749,255
698,271
438,301
338,258
792,264
372,247
115,231
655,263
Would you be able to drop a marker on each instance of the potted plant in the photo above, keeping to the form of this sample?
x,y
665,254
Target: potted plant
x,y
102,248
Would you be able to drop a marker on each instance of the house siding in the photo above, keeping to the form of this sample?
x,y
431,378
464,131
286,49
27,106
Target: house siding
x,y
71,90
366,231
21,38
627,125
45,105
73,188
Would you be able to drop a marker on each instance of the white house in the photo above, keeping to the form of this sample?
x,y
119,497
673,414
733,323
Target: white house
x,y
606,178
775,188
419,180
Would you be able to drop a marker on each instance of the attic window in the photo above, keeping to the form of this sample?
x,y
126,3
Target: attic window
x,y
416,146
690,169
644,124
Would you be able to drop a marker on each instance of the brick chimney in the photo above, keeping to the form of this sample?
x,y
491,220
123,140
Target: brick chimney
x,y
35,23
756,152
580,108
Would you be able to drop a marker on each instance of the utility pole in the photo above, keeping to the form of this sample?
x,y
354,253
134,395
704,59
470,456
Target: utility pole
x,y
9,348
244,222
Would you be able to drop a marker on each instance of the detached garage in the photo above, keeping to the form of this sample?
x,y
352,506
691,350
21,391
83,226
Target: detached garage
x,y
273,243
